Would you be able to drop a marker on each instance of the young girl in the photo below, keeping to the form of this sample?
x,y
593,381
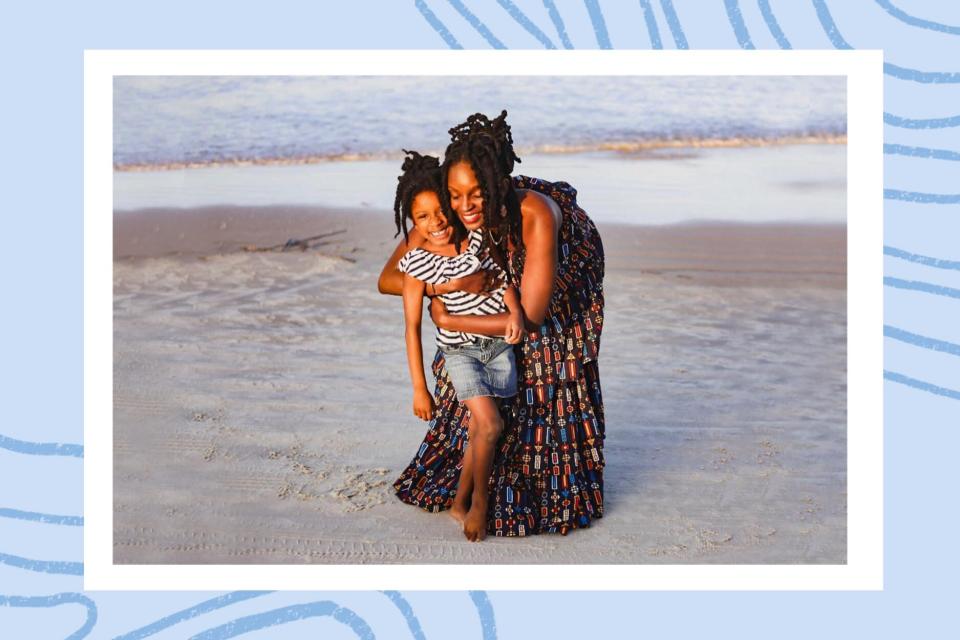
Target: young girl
x,y
481,368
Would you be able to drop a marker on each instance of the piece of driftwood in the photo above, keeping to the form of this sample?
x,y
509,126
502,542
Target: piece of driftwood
x,y
293,243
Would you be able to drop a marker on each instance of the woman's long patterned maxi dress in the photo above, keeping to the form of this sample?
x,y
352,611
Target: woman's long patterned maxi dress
x,y
548,472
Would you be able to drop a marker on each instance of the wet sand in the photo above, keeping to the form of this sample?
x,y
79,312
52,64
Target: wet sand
x,y
261,400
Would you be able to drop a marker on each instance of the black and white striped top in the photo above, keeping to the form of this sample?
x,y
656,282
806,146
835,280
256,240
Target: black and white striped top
x,y
436,269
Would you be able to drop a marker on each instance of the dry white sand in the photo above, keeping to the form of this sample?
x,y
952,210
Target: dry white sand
x,y
261,400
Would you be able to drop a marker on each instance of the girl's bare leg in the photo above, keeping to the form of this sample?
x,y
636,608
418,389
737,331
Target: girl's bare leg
x,y
485,427
461,503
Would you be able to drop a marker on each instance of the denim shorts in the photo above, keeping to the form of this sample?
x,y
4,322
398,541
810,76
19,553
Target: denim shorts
x,y
486,367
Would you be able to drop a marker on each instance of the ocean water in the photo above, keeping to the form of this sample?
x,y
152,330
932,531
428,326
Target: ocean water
x,y
640,150
160,121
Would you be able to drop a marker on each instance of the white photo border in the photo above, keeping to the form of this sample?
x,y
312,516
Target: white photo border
x,y
864,567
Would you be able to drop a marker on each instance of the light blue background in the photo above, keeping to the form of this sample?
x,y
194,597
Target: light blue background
x,y
42,384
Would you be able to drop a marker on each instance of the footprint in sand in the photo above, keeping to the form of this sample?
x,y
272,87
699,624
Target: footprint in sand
x,y
364,490
768,453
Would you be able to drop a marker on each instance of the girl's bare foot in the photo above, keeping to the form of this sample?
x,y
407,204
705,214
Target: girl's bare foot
x,y
461,502
475,524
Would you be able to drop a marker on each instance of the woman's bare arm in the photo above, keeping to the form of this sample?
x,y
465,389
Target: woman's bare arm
x,y
493,325
391,278
541,223
497,325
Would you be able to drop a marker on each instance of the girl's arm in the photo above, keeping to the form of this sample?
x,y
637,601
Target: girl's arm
x,y
412,312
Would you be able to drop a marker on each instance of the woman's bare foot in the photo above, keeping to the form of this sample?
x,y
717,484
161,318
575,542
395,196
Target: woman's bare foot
x,y
475,524
458,512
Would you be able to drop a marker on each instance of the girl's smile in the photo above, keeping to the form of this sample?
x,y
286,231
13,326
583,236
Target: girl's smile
x,y
428,218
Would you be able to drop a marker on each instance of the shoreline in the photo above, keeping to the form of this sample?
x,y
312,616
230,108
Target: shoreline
x,y
627,147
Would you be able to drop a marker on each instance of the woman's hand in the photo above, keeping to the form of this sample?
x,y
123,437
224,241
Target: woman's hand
x,y
423,406
493,325
514,331
480,283
439,313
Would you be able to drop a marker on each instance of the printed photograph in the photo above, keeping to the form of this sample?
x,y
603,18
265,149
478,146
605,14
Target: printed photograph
x,y
479,320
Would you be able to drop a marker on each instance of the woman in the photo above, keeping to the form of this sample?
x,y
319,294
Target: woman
x,y
548,473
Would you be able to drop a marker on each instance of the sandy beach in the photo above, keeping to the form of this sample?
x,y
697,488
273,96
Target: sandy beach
x,y
262,406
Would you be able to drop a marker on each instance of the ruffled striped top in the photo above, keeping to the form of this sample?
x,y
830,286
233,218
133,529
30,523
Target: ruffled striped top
x,y
432,268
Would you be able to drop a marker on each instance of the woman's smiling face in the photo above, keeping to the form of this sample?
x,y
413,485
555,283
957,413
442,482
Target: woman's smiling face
x,y
428,219
466,197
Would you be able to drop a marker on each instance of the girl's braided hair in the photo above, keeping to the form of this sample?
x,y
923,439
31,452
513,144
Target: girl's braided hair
x,y
487,146
420,173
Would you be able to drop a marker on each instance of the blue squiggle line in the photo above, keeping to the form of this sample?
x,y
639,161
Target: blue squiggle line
x,y
199,609
46,518
412,623
895,71
43,566
739,27
437,24
926,123
922,198
921,341
920,384
558,23
673,22
488,624
41,448
55,601
599,26
921,152
773,25
829,26
651,20
914,21
924,260
521,18
284,615
926,287
477,24
926,77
